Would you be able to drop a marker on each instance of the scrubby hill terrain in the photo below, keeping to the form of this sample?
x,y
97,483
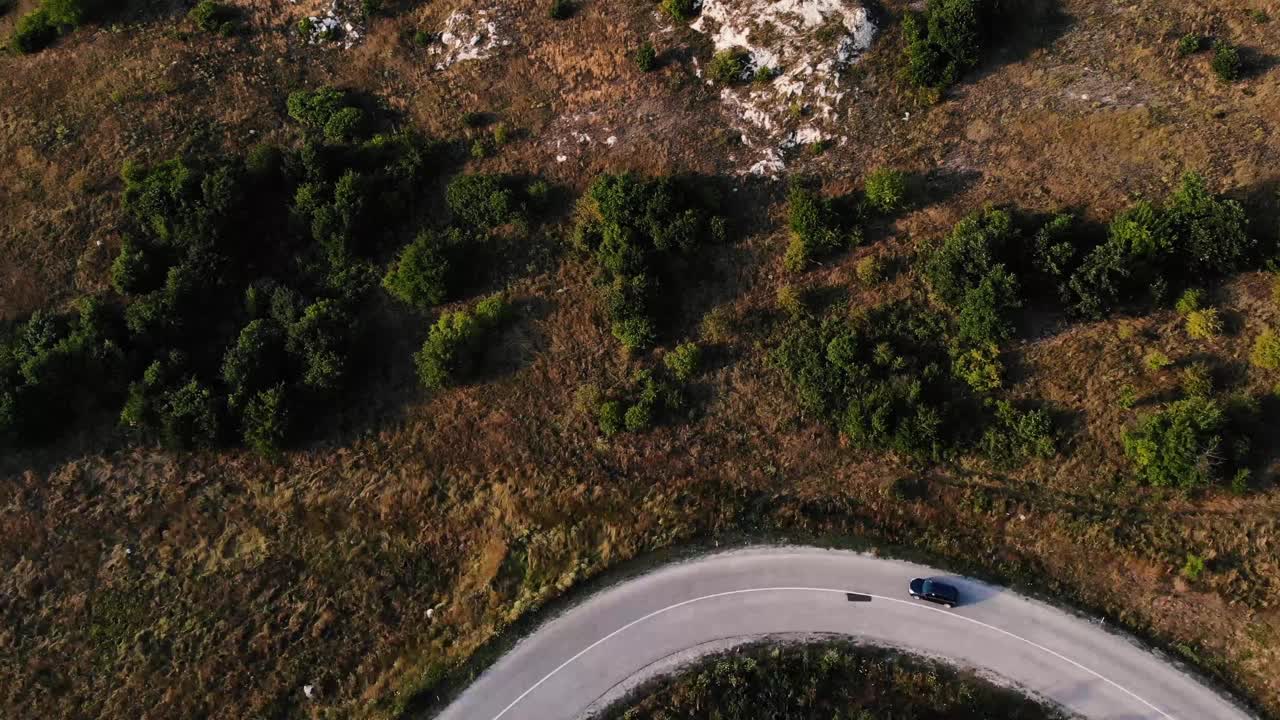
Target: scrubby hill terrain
x,y
321,316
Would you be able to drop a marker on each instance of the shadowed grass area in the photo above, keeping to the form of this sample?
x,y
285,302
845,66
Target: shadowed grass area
x,y
832,679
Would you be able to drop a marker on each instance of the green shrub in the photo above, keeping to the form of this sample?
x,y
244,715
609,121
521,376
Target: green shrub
x,y
1226,62
33,32
1193,568
679,10
483,201
816,228
1156,361
420,276
1190,44
979,367
730,66
966,272
501,134
635,333
871,269
1016,436
455,343
344,125
189,417
611,418
266,421
886,190
684,361
314,108
1177,446
1193,236
639,234
1197,381
1190,301
881,377
646,57
213,17
1128,397
1053,249
943,43
320,338
1204,324
1266,350
560,9
255,362
638,418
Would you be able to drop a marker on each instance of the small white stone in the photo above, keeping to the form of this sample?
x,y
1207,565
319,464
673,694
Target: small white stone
x,y
309,691
561,158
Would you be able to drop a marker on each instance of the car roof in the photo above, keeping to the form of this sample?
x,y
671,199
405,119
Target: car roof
x,y
933,587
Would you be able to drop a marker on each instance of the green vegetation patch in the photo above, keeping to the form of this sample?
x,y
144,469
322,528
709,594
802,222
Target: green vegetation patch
x,y
1154,250
825,680
641,235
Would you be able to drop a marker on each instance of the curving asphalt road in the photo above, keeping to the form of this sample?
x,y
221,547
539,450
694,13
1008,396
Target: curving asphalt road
x,y
587,657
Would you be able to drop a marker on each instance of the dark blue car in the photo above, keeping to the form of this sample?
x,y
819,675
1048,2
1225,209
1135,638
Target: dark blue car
x,y
934,591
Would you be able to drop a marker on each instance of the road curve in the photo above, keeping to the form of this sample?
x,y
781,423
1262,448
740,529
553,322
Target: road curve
x,y
576,662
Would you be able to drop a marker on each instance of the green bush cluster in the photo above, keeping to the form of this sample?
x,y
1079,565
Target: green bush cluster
x,y
684,361
1190,44
817,228
54,369
242,280
1015,436
641,234
884,378
1266,350
1226,63
456,342
328,111
880,377
730,66
213,17
968,274
427,271
679,10
1178,446
825,680
646,400
944,42
886,190
646,57
53,18
1155,249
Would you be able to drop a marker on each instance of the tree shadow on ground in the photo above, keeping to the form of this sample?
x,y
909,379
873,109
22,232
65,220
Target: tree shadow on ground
x,y
1020,28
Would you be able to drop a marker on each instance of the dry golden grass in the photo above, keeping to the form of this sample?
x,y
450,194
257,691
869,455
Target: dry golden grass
x,y
143,584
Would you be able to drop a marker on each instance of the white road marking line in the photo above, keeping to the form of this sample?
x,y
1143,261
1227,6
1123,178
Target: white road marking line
x,y
918,606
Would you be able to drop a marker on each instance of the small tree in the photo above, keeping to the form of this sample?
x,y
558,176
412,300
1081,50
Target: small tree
x,y
1204,324
886,190
420,276
1177,446
1266,350
266,421
679,10
611,418
1226,61
344,125
684,361
646,57
730,66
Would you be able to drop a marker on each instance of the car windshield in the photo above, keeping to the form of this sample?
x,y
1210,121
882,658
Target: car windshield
x,y
931,588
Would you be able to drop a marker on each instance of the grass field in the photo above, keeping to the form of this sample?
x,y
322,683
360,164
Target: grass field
x,y
140,581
